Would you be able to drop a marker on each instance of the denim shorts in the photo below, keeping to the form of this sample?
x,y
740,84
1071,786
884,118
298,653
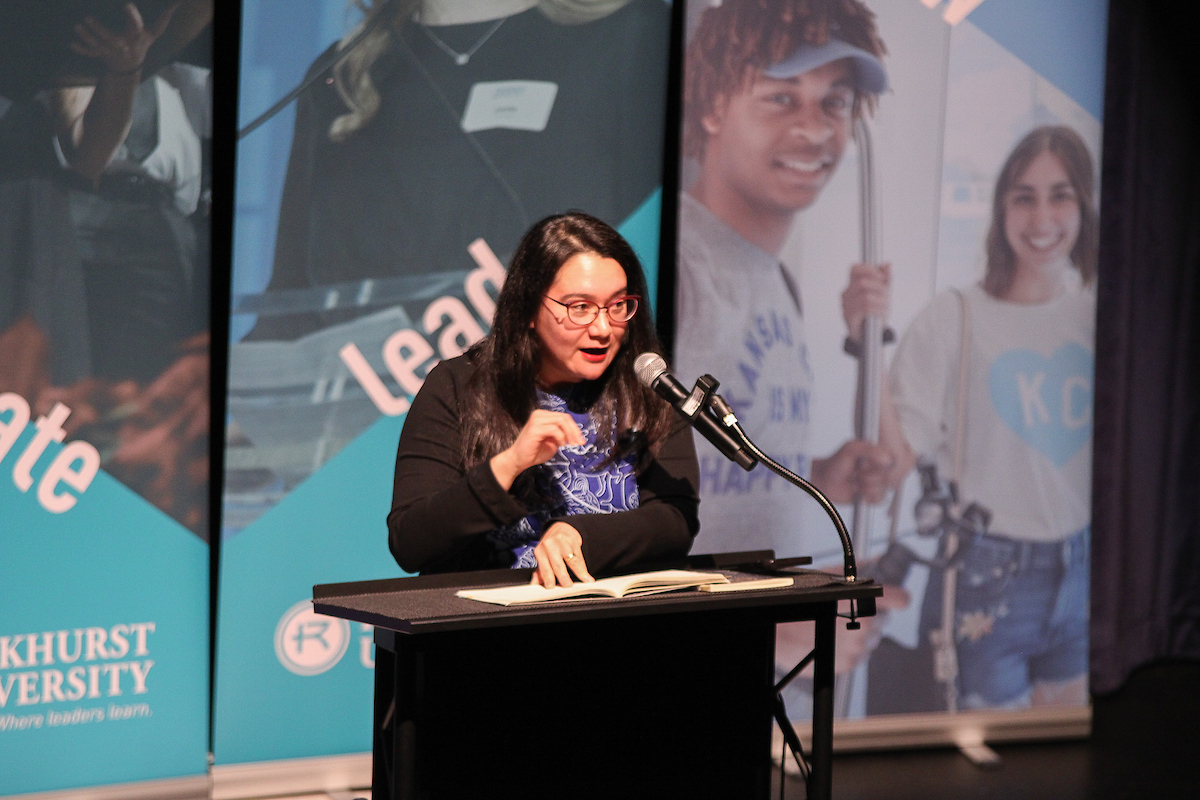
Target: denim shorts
x,y
1021,617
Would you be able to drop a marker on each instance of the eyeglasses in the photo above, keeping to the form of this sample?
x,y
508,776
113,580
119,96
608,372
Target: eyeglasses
x,y
584,312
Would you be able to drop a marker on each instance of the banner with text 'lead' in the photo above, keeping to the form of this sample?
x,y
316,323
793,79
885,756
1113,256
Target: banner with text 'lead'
x,y
372,227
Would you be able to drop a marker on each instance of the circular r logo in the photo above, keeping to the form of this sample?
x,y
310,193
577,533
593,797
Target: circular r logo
x,y
308,643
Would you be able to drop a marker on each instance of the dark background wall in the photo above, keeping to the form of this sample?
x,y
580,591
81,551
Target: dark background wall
x,y
1146,484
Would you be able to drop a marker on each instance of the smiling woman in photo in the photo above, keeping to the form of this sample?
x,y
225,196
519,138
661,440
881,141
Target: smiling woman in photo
x,y
993,384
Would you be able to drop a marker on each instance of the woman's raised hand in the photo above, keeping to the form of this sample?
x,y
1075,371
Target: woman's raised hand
x,y
538,441
559,553
122,52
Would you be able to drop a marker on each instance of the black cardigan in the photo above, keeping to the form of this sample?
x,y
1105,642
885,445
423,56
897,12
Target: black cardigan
x,y
442,512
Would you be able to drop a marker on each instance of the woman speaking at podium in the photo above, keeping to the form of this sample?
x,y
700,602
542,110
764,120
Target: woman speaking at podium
x,y
539,447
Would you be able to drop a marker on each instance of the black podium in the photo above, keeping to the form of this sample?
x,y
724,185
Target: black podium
x,y
662,696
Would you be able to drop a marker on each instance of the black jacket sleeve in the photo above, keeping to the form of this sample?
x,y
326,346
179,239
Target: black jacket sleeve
x,y
442,512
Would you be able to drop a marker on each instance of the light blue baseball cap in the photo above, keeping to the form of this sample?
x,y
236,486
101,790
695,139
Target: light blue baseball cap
x,y
869,74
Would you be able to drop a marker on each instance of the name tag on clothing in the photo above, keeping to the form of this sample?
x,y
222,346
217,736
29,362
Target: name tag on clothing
x,y
516,105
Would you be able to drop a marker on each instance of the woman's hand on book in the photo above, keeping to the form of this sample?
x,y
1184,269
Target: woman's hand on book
x,y
560,553
544,432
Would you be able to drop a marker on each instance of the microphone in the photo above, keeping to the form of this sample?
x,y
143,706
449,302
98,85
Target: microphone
x,y
652,372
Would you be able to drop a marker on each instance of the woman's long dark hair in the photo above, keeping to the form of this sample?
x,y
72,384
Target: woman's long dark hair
x,y
1068,147
502,393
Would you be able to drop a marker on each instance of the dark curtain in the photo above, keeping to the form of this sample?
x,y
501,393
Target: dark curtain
x,y
1146,483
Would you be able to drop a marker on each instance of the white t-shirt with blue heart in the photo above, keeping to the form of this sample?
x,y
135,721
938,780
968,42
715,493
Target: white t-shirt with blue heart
x,y
1027,450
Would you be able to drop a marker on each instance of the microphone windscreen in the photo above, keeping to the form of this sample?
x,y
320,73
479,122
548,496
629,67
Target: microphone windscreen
x,y
648,367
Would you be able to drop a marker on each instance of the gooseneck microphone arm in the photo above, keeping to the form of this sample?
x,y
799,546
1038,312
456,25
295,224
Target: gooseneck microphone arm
x,y
723,410
714,418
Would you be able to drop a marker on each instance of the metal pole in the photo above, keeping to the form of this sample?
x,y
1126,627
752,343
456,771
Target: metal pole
x,y
866,425
866,413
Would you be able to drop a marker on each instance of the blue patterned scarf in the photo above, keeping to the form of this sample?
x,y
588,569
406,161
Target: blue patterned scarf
x,y
574,481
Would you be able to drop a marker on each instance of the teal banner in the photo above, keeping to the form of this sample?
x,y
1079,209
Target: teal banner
x,y
104,628
104,394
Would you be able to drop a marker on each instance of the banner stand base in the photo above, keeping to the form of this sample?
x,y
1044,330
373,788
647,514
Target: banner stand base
x,y
965,730
969,731
190,788
980,755
291,776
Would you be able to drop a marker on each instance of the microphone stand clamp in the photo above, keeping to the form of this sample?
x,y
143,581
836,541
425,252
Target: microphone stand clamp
x,y
701,397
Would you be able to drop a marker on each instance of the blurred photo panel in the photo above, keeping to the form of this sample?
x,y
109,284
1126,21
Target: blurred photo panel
x,y
106,276
933,166
104,391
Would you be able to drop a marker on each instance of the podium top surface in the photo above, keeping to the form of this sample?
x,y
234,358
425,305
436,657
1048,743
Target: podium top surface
x,y
428,604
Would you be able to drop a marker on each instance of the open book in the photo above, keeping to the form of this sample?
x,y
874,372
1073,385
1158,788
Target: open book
x,y
667,580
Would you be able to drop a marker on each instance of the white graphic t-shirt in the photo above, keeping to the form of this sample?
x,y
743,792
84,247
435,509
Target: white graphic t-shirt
x,y
739,319
1027,451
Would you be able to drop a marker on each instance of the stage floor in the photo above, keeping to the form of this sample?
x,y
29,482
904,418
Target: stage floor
x,y
1144,745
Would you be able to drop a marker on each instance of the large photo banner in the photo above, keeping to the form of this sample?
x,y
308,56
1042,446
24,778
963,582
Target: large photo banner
x,y
374,218
933,166
104,386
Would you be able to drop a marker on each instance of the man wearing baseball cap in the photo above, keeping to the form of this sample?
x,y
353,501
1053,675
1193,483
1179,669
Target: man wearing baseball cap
x,y
772,90
771,94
